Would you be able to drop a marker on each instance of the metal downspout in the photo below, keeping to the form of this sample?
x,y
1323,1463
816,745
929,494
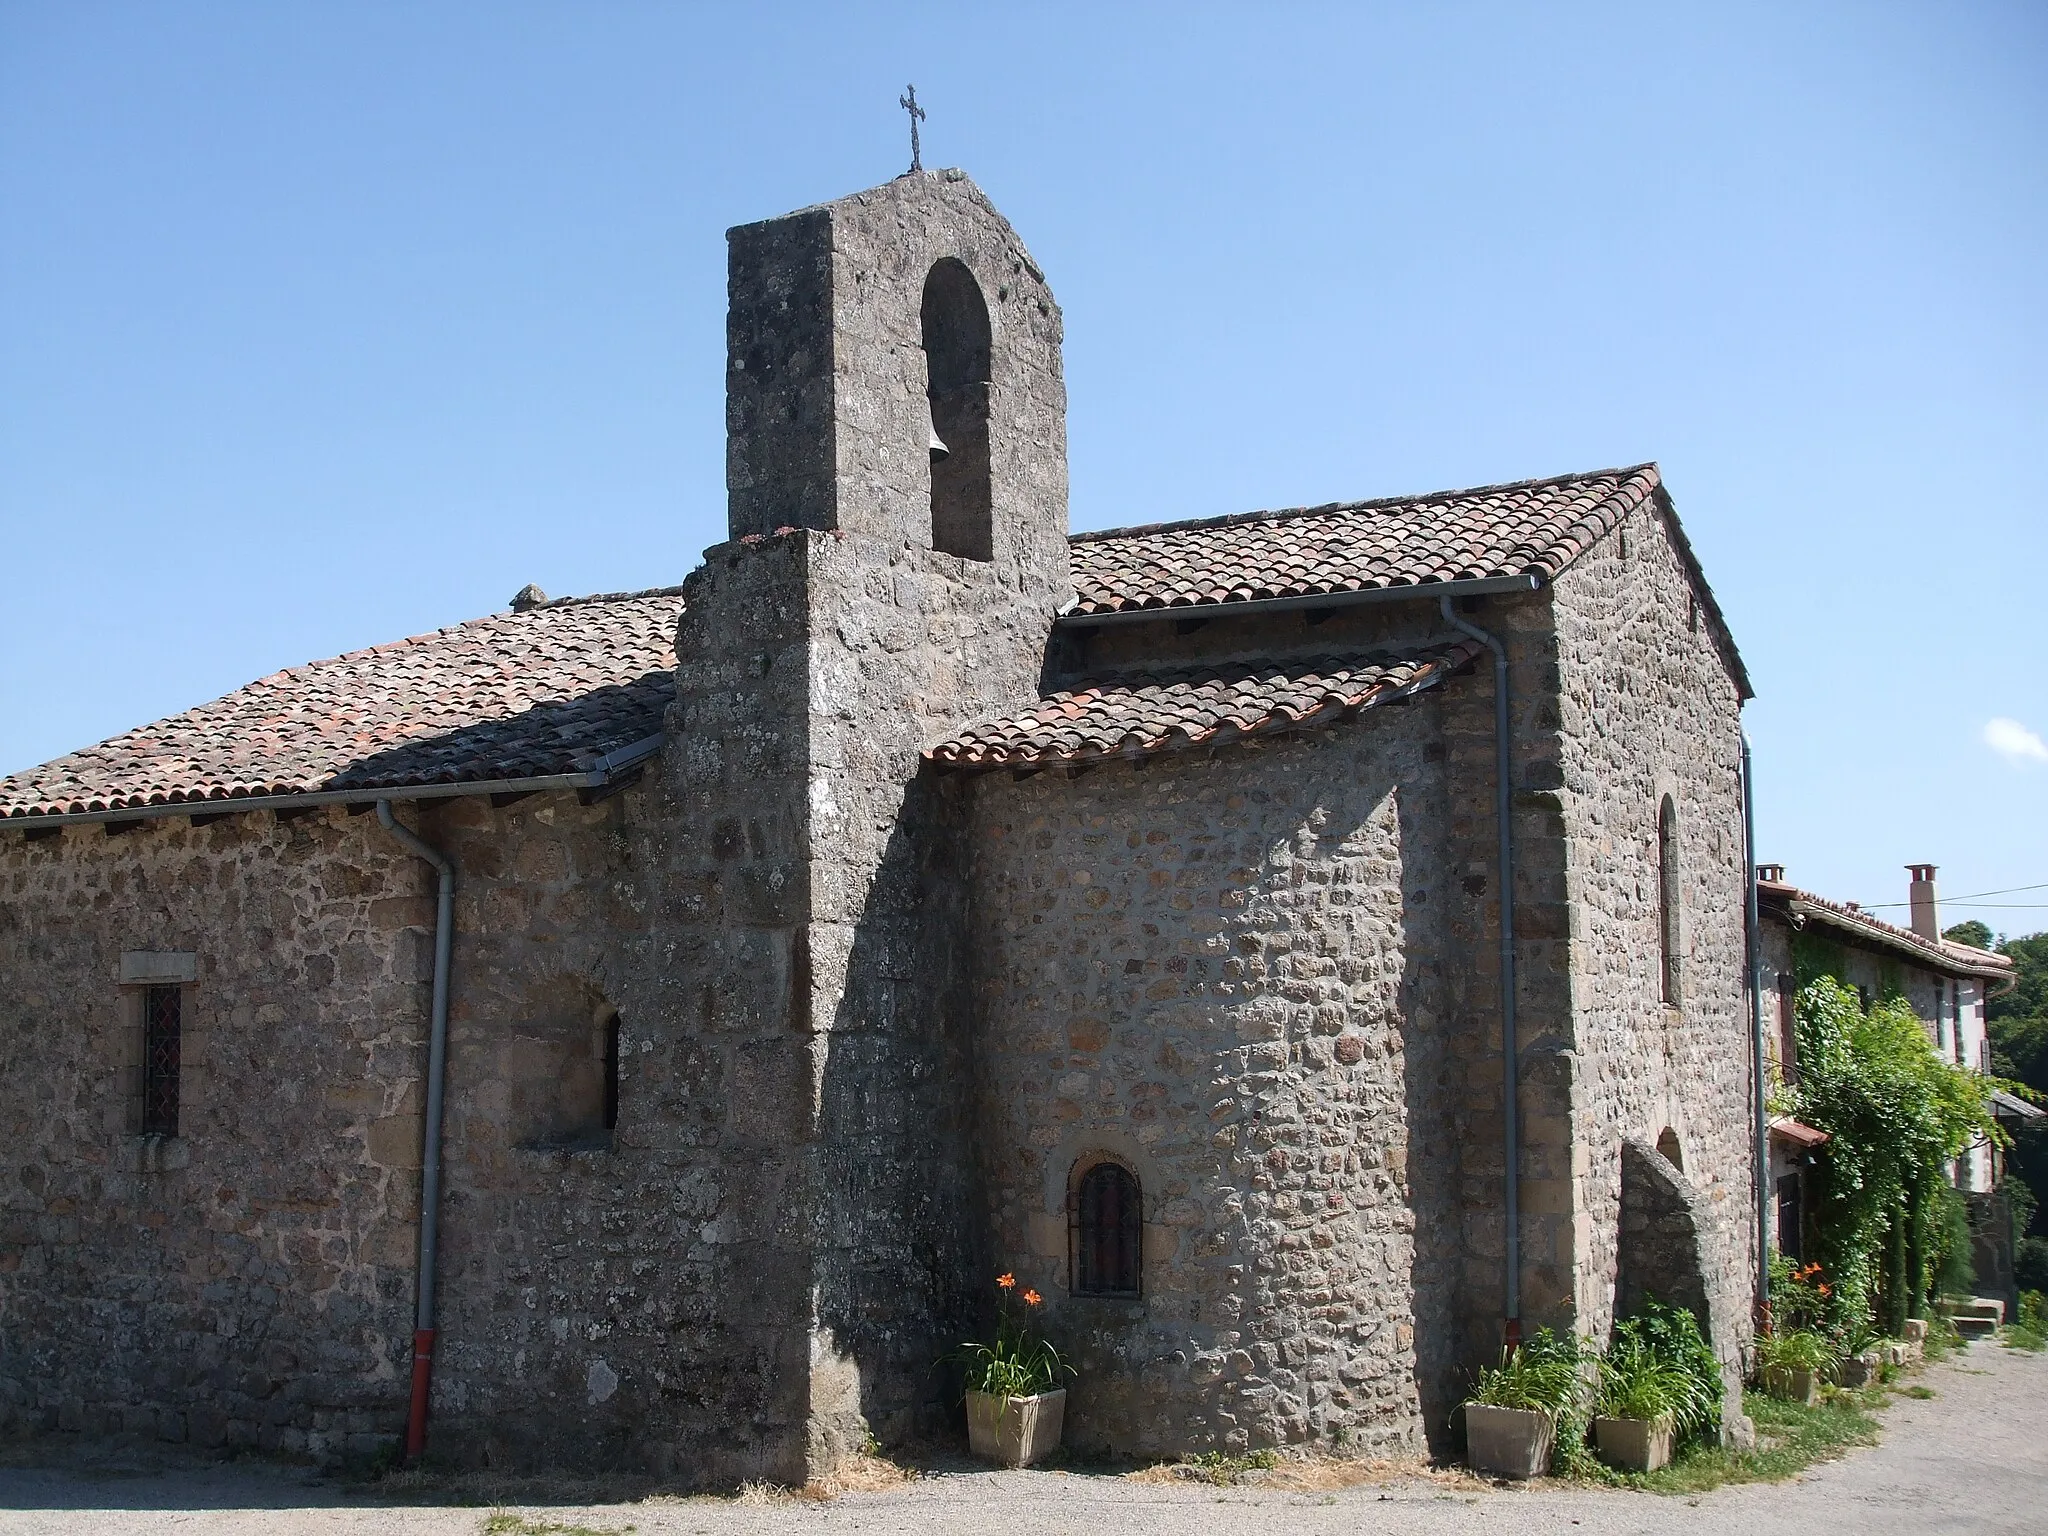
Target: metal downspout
x,y
1511,1071
430,1151
1753,942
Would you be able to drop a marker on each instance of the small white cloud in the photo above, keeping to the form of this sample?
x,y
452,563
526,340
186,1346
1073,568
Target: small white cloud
x,y
2014,742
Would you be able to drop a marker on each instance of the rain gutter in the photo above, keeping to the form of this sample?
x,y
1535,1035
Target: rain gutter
x,y
1752,933
1481,586
430,1133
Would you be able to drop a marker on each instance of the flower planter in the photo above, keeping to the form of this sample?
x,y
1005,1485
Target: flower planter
x,y
1792,1384
1017,1431
1508,1442
1634,1445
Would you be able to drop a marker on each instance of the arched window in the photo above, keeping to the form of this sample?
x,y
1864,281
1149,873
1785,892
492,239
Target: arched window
x,y
956,359
1106,1227
1668,895
1668,1145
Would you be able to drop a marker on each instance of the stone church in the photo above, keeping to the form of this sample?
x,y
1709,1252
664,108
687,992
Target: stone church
x,y
709,989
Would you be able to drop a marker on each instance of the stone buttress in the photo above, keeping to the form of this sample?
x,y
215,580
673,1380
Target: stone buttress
x,y
898,508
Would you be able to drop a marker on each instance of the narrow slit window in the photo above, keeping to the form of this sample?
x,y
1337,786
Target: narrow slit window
x,y
611,1073
162,1058
1668,896
1107,1232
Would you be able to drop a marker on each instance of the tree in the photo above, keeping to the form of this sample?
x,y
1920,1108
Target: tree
x,y
2018,1025
1972,933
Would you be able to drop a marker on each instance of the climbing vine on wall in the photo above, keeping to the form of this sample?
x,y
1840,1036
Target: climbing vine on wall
x,y
1897,1116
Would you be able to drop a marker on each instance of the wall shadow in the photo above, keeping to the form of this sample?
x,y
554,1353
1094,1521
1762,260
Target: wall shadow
x,y
902,1222
557,736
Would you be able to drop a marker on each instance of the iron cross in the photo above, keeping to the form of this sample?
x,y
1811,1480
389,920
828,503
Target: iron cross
x,y
909,104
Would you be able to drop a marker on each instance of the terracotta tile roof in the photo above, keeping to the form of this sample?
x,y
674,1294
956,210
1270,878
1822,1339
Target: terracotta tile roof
x,y
1799,1135
1138,713
1532,527
516,695
1857,925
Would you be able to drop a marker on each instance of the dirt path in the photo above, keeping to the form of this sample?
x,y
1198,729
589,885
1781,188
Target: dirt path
x,y
1973,1458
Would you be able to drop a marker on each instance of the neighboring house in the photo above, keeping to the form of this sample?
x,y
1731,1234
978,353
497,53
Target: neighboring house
x,y
916,892
1947,984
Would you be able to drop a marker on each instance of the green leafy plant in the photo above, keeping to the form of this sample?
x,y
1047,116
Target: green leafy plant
x,y
1897,1115
1545,1375
1225,1470
1659,1366
2029,1328
1019,1363
1796,1349
2030,1263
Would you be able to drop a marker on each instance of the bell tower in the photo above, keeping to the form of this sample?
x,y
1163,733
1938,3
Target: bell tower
x,y
893,370
896,479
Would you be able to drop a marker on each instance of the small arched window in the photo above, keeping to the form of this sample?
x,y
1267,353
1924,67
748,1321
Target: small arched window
x,y
957,348
1668,896
1106,1228
1667,1144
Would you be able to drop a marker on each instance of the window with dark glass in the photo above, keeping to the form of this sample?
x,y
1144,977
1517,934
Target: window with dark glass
x,y
1107,1231
162,1052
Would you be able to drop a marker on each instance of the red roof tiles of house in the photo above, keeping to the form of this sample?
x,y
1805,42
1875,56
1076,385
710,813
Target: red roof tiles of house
x,y
1533,527
1940,954
538,692
1165,710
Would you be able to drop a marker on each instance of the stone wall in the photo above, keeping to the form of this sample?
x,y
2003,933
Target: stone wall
x,y
1229,972
232,1285
1647,707
902,645
250,1281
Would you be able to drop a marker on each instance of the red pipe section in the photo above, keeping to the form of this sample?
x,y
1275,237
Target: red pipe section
x,y
422,1378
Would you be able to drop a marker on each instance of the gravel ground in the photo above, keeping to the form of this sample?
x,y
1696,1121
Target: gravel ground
x,y
1973,1458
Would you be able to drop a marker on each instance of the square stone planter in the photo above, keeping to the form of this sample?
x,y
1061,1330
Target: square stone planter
x,y
1857,1370
1633,1445
1508,1442
1793,1386
1016,1432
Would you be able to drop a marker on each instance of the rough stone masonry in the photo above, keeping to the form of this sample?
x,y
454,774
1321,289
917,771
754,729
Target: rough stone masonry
x,y
824,927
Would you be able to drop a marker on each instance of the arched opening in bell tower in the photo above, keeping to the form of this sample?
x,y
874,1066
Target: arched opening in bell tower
x,y
956,356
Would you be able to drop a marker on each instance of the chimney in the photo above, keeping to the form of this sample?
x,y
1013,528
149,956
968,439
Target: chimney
x,y
1925,921
1773,874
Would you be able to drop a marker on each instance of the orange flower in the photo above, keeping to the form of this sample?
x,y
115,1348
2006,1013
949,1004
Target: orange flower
x,y
1006,1281
1032,1298
1823,1289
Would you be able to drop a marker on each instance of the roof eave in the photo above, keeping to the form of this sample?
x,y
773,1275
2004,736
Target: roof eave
x,y
1480,586
1870,934
603,772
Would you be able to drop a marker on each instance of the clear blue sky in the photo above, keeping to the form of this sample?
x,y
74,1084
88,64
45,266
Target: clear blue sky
x,y
326,324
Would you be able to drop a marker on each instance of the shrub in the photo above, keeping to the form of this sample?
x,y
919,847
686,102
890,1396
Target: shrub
x,y
2029,1328
2030,1264
1546,1375
2034,1310
1796,1349
1660,1365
